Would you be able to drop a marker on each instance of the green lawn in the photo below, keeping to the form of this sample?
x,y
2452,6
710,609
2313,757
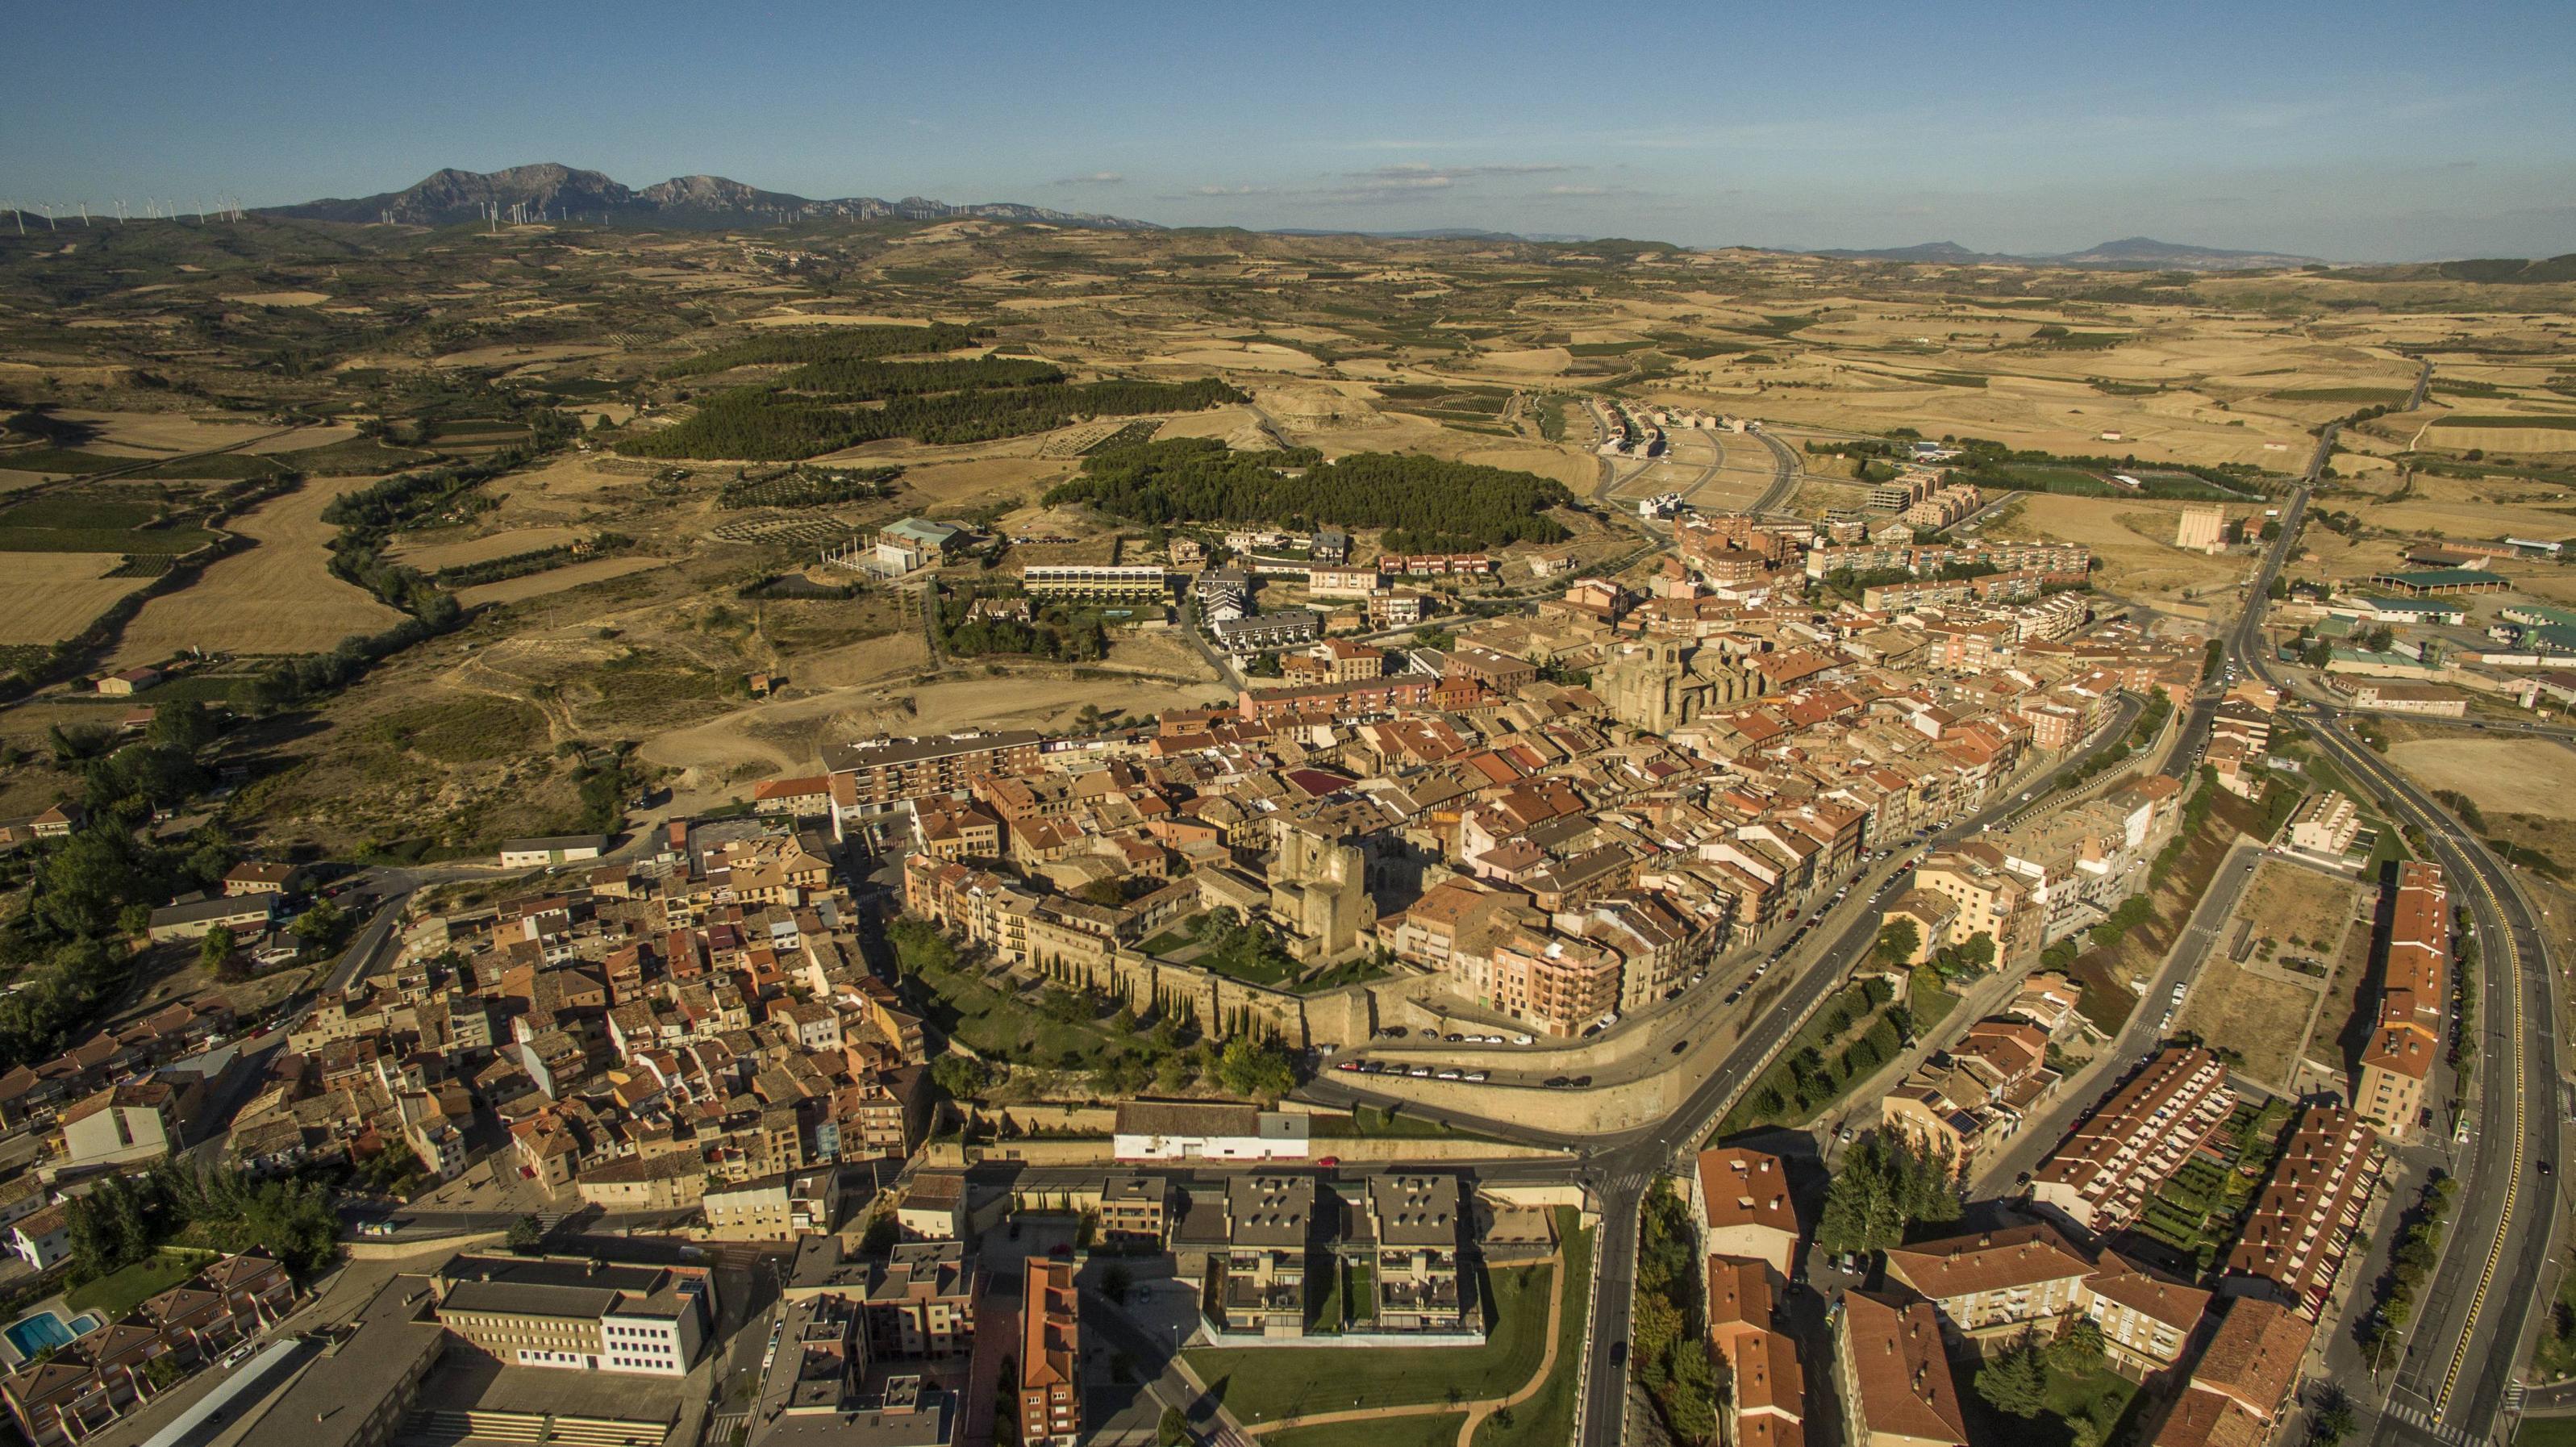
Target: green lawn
x,y
1003,1027
1264,1384
1164,943
2546,1432
1547,1418
1430,1429
1359,1293
1368,1120
119,1292
2554,1354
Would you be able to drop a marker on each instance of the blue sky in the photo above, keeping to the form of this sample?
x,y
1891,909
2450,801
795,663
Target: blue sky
x,y
2350,131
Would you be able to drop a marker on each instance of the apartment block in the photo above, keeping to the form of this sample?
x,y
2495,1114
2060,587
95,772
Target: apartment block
x,y
2118,1153
2414,986
877,777
1894,1373
2304,1221
1050,1385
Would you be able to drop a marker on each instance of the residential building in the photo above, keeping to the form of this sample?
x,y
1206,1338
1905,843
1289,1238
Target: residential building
x,y
1135,1211
247,914
1050,1385
2242,1385
876,777
1266,632
2324,824
1745,1207
2392,1088
1255,1284
1893,1373
132,1120
775,1208
2309,1211
2119,1152
1416,1225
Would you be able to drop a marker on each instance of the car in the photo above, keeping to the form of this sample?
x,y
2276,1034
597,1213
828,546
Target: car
x,y
1581,1081
1327,1162
2548,1169
1420,1072
1520,1040
1454,1038
1680,1045
1478,1077
1396,1032
1845,1134
1559,1082
1591,1030
1449,1075
1350,1065
1695,979
1674,993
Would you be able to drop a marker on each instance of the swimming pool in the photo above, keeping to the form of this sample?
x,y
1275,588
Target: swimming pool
x,y
33,1334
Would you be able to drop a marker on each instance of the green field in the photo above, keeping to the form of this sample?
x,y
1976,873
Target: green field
x,y
102,540
1264,1384
2546,1432
219,467
1547,1418
2556,421
1429,1429
120,1291
2373,396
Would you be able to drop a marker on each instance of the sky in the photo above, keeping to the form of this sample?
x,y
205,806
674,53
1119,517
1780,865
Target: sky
x,y
2350,131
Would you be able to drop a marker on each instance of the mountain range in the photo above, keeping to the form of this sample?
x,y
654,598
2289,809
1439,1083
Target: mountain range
x,y
449,197
2129,253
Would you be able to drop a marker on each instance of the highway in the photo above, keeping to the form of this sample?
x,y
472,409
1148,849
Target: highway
x,y
2464,1345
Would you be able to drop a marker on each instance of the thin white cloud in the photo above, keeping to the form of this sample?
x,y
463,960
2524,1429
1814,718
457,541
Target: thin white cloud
x,y
1096,178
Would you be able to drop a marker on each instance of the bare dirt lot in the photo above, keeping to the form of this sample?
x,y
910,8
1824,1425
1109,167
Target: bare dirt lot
x,y
2262,1017
48,597
277,596
2502,776
2134,539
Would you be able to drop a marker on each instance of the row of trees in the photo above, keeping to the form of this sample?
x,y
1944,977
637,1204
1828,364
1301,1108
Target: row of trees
x,y
2419,1246
1668,1340
1436,504
764,425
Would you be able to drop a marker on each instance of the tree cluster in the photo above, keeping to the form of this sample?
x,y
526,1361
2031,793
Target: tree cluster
x,y
1433,503
1668,1344
122,1219
836,344
1884,1185
850,380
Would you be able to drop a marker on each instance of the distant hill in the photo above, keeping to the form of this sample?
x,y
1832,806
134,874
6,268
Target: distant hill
x,y
449,197
2129,253
1441,233
2497,270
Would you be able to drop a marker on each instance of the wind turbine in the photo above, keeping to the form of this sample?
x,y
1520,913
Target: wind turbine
x,y
50,223
19,216
84,215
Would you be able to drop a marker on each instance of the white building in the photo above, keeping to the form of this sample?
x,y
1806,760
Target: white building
x,y
1166,1130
